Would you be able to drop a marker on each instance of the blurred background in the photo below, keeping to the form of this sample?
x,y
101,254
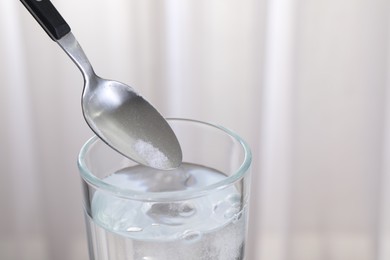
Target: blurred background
x,y
305,82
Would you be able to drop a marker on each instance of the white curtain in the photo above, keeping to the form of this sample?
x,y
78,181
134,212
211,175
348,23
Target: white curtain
x,y
306,83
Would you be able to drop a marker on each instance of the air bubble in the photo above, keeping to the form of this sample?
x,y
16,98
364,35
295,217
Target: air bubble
x,y
236,205
216,206
220,207
120,224
190,181
237,217
187,210
134,229
191,236
230,213
234,198
172,214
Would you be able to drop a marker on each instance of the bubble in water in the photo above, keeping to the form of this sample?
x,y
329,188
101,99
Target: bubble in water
x,y
191,236
234,198
215,207
171,213
119,224
134,229
220,207
190,181
187,210
236,205
237,217
230,213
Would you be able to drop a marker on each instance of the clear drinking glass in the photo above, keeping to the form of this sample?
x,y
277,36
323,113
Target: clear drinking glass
x,y
197,212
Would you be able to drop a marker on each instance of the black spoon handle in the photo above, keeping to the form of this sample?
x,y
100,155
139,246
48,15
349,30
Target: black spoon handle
x,y
48,17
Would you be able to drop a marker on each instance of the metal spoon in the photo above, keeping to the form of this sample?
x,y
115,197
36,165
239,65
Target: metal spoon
x,y
114,111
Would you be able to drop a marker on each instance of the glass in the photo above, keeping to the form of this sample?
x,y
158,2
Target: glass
x,y
197,212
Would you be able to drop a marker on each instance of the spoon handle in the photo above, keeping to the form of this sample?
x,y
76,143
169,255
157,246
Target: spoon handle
x,y
48,17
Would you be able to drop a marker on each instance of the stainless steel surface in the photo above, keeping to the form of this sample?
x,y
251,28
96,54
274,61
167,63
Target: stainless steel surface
x,y
122,118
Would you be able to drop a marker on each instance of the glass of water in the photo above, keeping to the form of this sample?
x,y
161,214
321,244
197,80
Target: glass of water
x,y
196,212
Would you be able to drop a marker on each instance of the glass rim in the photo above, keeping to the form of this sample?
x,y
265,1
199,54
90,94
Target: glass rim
x,y
98,183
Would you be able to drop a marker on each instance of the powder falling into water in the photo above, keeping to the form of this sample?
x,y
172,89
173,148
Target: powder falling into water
x,y
152,155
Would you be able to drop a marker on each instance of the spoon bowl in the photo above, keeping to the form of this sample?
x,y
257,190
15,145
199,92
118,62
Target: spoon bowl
x,y
129,124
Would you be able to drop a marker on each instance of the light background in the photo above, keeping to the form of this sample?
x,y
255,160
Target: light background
x,y
306,83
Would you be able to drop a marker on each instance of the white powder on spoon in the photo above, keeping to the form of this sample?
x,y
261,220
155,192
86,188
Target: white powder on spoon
x,y
152,155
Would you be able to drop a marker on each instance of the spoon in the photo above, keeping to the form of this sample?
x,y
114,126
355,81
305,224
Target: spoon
x,y
114,111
